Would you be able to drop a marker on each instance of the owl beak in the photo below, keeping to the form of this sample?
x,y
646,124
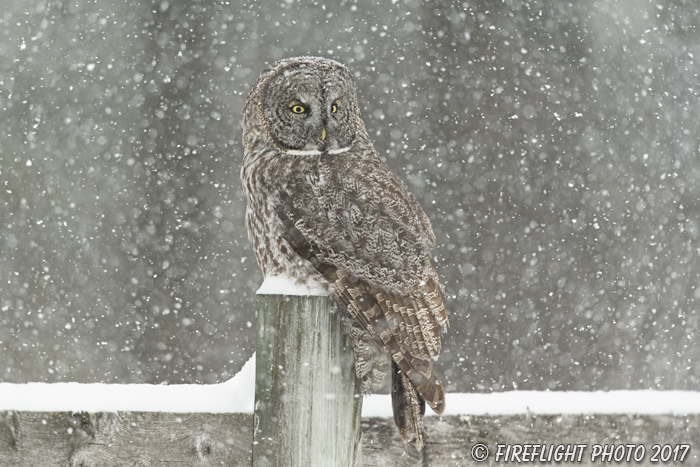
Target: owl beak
x,y
323,134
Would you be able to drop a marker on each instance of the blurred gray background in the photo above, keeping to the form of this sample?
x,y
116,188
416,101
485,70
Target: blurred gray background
x,y
554,146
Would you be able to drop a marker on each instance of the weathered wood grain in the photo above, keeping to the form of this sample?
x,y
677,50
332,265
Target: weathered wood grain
x,y
128,439
450,439
307,398
134,439
382,445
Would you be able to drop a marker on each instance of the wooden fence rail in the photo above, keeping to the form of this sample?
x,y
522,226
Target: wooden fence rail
x,y
141,439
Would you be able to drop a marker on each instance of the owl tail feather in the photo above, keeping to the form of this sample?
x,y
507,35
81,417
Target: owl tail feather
x,y
408,405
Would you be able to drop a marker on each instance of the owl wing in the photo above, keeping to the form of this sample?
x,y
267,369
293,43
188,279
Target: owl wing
x,y
361,229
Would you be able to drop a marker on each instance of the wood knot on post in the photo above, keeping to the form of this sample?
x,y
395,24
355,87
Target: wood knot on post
x,y
203,447
82,458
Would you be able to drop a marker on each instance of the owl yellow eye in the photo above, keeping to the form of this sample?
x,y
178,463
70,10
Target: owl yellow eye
x,y
334,108
298,109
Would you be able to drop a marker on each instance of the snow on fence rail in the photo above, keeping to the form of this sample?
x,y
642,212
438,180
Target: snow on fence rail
x,y
237,396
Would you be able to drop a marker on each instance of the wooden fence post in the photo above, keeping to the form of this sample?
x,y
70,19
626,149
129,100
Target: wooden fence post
x,y
307,400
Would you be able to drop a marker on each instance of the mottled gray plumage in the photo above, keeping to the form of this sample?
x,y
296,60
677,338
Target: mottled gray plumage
x,y
324,209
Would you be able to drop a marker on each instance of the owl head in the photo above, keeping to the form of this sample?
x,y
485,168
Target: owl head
x,y
307,105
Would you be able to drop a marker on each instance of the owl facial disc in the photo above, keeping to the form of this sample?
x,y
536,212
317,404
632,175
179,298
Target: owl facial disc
x,y
311,110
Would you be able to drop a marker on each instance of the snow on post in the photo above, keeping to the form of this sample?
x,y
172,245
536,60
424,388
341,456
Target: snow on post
x,y
307,399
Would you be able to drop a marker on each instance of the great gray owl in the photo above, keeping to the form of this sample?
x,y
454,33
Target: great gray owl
x,y
325,210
